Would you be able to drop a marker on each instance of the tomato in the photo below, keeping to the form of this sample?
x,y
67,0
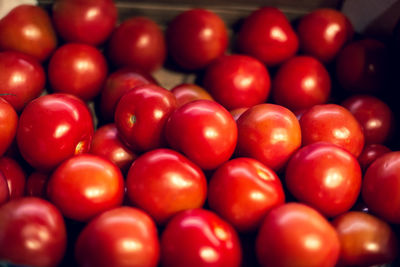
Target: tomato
x,y
381,187
163,182
88,21
22,78
324,176
84,186
8,125
138,43
204,131
32,233
334,124
141,114
365,240
242,191
294,235
199,238
77,69
237,81
323,32
370,153
267,35
187,92
269,133
53,128
14,175
28,29
237,112
300,83
195,38
119,237
4,191
36,184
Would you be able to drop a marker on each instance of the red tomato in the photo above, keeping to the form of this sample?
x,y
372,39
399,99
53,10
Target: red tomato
x,y
84,186
77,69
22,78
237,81
36,184
324,176
370,153
8,125
381,187
195,38
269,133
88,21
32,233
374,116
141,114
4,191
365,240
186,92
296,235
267,35
119,237
334,124
53,128
237,112
204,131
323,32
300,83
14,175
243,191
138,43
199,238
163,182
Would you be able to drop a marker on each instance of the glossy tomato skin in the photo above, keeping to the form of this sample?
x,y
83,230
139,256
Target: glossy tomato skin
x,y
53,128
163,182
333,124
324,176
84,186
237,112
267,35
375,117
120,237
14,175
365,240
138,43
8,125
36,184
199,238
38,41
89,22
22,78
141,114
187,92
269,133
301,82
4,191
370,153
323,32
381,187
204,131
294,235
242,191
32,233
77,69
237,81
195,38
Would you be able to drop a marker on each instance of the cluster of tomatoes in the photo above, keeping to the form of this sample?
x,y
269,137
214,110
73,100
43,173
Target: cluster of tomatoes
x,y
281,156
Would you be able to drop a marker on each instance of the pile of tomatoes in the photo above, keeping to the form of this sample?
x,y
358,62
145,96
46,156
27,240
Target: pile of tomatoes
x,y
282,155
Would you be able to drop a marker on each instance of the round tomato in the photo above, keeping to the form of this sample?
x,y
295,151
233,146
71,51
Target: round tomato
x,y
8,125
187,92
14,175
370,153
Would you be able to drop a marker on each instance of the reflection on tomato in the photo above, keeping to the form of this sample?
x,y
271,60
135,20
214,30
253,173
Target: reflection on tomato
x,y
14,175
8,125
4,192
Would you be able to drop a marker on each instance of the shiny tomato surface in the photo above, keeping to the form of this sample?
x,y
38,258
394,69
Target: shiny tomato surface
x,y
8,125
370,153
4,191
187,92
15,176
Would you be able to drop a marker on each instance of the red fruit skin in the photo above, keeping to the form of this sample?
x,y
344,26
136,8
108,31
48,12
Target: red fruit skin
x,y
101,242
323,32
237,112
199,238
32,233
28,29
53,128
138,43
267,35
324,176
237,81
84,21
4,192
22,78
36,185
8,125
300,83
370,153
14,175
195,38
186,92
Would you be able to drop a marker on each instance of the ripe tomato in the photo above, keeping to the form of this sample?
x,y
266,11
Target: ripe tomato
x,y
195,38
84,186
370,153
199,238
119,237
32,233
267,35
14,175
294,235
8,125
36,184
4,191
237,112
53,128
186,92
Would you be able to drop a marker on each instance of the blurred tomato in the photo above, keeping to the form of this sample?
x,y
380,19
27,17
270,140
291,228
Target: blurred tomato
x,y
4,191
